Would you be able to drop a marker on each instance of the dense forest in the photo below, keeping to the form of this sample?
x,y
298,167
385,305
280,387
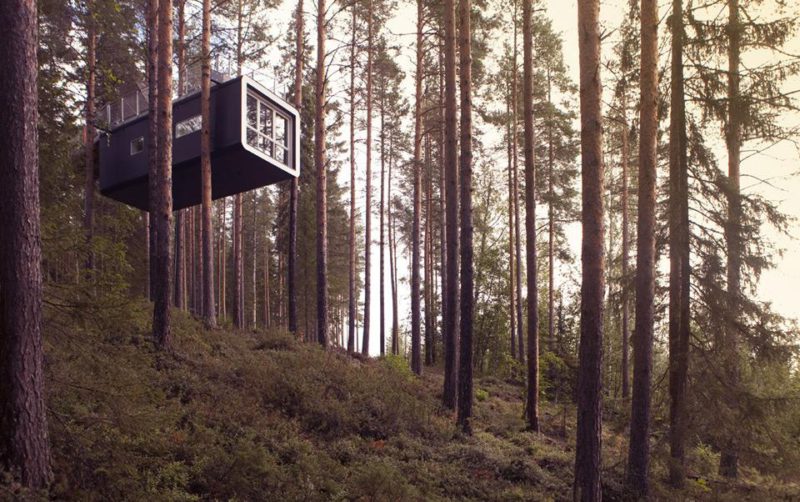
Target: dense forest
x,y
512,262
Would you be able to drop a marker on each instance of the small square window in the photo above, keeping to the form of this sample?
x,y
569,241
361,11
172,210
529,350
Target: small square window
x,y
137,145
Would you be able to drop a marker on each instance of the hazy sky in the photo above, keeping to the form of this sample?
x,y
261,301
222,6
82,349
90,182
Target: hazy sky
x,y
776,165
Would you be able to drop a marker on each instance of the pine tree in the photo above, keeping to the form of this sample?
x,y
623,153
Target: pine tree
x,y
24,438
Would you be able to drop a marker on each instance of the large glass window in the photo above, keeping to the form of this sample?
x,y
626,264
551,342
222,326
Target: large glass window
x,y
267,129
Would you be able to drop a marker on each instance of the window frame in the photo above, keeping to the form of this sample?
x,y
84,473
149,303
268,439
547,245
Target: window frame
x,y
137,141
271,139
189,120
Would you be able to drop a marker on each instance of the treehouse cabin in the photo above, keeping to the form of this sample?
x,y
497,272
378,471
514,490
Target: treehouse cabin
x,y
255,139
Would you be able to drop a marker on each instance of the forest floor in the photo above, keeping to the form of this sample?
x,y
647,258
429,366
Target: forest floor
x,y
261,416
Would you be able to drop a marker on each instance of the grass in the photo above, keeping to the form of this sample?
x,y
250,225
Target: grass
x,y
261,416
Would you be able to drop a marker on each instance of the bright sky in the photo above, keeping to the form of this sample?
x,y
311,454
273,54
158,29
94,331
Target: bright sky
x,y
775,165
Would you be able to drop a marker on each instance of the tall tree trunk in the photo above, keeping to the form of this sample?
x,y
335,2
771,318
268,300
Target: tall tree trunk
x,y
163,286
91,72
465,173
353,298
382,230
587,452
625,248
223,294
147,286
180,245
267,306
515,167
152,140
680,268
393,256
209,304
416,354
254,274
729,459
511,264
639,447
430,338
291,279
24,441
449,395
551,221
238,265
532,405
322,181
368,188
442,187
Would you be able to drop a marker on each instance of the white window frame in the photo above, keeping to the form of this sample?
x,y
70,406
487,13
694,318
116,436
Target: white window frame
x,y
271,138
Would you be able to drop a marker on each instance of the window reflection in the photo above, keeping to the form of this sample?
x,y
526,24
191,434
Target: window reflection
x,y
267,129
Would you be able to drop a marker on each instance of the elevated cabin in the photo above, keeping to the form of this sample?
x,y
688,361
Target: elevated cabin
x,y
255,139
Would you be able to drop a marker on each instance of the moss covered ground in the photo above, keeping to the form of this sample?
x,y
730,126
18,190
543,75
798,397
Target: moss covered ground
x,y
261,416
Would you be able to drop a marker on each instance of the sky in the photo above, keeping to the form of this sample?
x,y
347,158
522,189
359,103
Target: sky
x,y
776,167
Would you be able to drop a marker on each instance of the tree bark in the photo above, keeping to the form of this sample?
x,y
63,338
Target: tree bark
x,y
322,181
589,425
729,459
416,342
209,304
680,267
517,229
639,446
353,298
238,265
91,72
24,438
449,395
551,222
382,230
368,188
511,263
291,279
152,141
532,405
625,248
163,286
465,173
393,257
180,232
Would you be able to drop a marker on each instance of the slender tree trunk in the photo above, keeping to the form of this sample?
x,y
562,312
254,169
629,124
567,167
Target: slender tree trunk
x,y
442,189
430,339
209,304
449,395
511,264
551,222
639,447
680,267
465,173
368,188
353,300
267,306
223,294
147,286
291,279
91,61
588,440
517,230
24,441
180,233
416,354
254,275
393,258
161,312
625,248
238,265
532,406
152,140
322,181
382,294
729,459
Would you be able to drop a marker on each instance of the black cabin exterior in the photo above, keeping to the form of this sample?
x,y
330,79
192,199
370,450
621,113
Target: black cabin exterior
x,y
255,137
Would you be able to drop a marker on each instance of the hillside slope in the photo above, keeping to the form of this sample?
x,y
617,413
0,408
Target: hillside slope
x,y
261,416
